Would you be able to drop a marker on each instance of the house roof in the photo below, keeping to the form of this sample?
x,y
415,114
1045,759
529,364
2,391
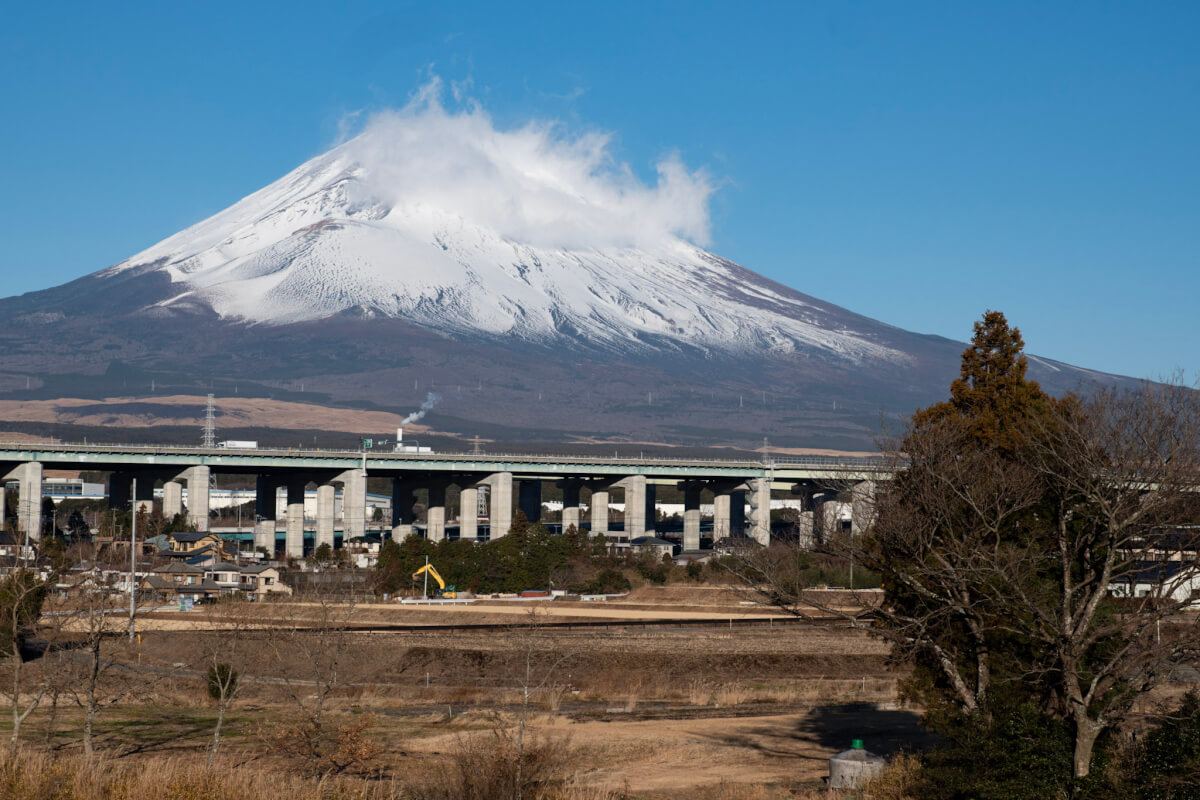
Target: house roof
x,y
186,554
162,541
650,541
1177,540
191,536
255,569
158,582
223,566
177,567
726,542
1153,571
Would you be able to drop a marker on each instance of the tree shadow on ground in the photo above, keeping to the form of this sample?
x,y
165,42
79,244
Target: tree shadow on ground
x,y
824,729
884,732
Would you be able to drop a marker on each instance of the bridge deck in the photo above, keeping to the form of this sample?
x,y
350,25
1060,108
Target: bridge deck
x,y
126,456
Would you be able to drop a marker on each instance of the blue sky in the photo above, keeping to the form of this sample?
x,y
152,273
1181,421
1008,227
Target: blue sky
x,y
915,162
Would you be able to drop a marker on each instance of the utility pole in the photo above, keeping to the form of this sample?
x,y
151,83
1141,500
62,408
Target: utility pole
x,y
24,519
133,557
425,591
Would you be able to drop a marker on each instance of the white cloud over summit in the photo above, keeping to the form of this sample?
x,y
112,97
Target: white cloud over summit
x,y
536,184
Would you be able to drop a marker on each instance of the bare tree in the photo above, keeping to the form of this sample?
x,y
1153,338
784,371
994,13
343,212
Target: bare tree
x,y
100,622
932,536
540,660
1074,556
310,649
1011,522
511,761
22,594
1121,473
224,662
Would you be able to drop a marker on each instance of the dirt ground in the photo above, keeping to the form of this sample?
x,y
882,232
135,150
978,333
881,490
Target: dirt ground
x,y
675,757
657,713
232,412
686,603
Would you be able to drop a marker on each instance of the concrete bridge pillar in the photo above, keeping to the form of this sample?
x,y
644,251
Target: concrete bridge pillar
x,y
862,506
651,510
402,510
635,506
729,511
721,514
599,509
570,512
145,492
294,529
435,513
264,536
29,498
500,516
172,499
529,499
737,513
691,514
119,488
806,531
760,510
468,512
354,503
326,511
265,511
197,479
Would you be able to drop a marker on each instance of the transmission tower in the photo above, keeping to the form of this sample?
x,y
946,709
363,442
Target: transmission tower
x,y
210,424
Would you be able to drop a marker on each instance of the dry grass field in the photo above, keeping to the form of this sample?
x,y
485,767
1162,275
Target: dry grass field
x,y
720,712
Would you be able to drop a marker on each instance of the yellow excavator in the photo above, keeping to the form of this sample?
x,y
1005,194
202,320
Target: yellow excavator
x,y
443,591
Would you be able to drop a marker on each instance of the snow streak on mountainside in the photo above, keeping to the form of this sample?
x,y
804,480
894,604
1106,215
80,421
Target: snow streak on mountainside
x,y
445,221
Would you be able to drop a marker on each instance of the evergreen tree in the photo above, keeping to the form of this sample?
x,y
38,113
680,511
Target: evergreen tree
x,y
992,394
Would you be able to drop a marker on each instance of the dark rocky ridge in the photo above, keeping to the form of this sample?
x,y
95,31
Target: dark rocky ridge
x,y
101,336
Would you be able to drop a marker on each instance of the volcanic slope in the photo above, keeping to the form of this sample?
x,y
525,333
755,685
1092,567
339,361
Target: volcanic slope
x,y
324,288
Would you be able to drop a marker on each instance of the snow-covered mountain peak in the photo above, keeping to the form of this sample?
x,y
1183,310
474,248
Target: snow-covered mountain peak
x,y
444,220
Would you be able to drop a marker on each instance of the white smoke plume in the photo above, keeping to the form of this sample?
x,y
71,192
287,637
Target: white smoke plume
x,y
536,184
431,400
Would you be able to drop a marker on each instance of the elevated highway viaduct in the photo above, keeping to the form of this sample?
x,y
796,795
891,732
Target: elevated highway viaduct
x,y
735,484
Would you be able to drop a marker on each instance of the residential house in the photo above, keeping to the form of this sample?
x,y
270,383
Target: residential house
x,y
179,581
1177,580
199,547
227,577
653,544
15,547
363,551
259,581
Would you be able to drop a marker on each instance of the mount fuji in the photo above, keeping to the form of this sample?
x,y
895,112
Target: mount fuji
x,y
542,293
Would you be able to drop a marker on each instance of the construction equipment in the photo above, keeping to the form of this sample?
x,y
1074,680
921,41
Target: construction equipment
x,y
443,591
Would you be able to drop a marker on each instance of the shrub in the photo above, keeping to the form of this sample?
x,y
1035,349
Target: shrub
x,y
1020,752
608,581
1165,763
485,767
222,681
